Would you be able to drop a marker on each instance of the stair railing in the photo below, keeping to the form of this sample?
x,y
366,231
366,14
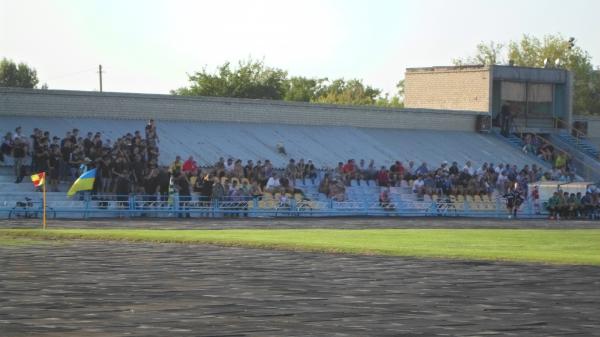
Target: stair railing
x,y
591,171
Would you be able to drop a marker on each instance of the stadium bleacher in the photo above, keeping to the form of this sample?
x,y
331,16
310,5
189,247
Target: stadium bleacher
x,y
326,146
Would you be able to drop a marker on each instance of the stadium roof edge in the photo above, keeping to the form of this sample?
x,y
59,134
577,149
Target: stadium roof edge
x,y
58,92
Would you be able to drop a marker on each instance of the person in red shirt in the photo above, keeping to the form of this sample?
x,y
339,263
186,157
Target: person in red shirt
x,y
349,171
189,165
383,177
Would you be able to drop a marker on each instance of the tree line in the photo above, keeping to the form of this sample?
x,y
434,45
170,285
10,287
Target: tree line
x,y
253,79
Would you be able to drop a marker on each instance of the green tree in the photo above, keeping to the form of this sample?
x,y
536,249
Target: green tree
x,y
487,54
531,51
534,52
351,92
396,101
17,75
251,79
302,89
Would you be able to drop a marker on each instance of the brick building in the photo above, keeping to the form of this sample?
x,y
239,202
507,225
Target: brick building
x,y
538,98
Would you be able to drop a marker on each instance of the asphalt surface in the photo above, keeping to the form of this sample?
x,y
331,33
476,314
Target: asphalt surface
x,y
91,288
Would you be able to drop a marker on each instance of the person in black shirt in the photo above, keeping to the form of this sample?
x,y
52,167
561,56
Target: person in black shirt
x,y
19,150
88,143
122,184
54,167
182,184
514,199
151,180
163,179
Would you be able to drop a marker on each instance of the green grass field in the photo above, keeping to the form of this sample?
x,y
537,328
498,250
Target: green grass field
x,y
579,246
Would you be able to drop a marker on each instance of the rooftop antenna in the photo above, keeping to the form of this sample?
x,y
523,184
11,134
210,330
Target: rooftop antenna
x,y
100,75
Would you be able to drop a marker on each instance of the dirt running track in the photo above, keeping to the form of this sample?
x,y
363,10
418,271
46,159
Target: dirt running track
x,y
90,289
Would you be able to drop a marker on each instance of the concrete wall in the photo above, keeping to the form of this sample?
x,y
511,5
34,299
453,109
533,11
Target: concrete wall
x,y
82,104
593,124
448,88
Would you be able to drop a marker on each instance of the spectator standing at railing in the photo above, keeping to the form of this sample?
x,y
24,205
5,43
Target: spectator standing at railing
x,y
189,165
54,167
104,172
151,179
122,187
138,167
182,185
76,159
163,180
19,150
42,155
175,166
218,191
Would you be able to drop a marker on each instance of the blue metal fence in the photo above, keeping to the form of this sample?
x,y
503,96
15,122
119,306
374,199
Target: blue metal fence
x,y
135,206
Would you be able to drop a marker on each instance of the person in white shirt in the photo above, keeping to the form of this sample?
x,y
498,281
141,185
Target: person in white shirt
x,y
418,186
229,165
469,168
273,183
499,168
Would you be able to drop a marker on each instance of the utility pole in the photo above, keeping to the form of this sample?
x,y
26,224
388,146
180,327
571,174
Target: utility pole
x,y
100,73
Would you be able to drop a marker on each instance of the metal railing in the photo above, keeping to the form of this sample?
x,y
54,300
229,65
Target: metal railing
x,y
137,206
585,170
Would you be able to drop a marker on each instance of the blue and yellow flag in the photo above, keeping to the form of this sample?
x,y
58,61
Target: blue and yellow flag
x,y
84,183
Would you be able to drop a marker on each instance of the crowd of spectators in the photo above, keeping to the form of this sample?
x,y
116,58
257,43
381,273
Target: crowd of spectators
x,y
130,165
565,205
541,148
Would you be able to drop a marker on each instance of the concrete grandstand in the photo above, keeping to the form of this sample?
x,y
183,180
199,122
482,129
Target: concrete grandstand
x,y
210,128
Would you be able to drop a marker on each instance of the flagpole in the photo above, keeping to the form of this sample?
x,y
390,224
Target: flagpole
x,y
44,202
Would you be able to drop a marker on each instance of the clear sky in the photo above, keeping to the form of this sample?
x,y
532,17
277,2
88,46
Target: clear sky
x,y
150,45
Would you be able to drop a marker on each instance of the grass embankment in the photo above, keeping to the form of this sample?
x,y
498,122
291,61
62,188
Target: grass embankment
x,y
545,246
